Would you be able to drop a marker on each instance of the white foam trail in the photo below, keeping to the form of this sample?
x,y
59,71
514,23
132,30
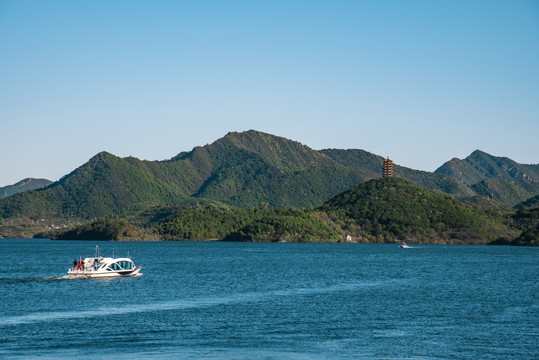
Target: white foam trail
x,y
182,304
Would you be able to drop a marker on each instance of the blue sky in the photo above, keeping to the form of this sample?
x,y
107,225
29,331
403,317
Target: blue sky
x,y
419,81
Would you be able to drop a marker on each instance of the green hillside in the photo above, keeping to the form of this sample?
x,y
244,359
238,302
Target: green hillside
x,y
527,220
105,186
390,209
117,230
529,204
241,170
480,165
24,185
498,178
369,166
366,165
244,169
506,191
257,225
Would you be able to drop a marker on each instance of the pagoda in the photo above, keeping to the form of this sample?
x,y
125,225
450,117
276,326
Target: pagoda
x,y
388,168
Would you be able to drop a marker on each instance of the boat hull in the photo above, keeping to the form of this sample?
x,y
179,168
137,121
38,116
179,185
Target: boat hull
x,y
91,273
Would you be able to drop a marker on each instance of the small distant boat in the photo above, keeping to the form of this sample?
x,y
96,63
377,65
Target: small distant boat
x,y
404,245
99,266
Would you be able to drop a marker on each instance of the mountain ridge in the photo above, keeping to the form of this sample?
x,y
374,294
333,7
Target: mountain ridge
x,y
241,169
479,166
24,185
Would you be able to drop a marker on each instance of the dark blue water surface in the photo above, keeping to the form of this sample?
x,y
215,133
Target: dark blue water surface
x,y
271,301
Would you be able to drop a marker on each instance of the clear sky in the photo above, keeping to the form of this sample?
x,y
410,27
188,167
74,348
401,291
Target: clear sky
x,y
419,81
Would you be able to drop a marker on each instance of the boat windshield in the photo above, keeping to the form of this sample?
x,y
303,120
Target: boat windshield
x,y
126,265
121,265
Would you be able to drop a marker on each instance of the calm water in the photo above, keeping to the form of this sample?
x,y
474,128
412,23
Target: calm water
x,y
271,301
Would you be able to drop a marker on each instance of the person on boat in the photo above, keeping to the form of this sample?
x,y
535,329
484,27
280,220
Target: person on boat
x,y
75,263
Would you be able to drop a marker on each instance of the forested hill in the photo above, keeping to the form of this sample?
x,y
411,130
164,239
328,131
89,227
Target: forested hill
x,y
245,169
241,169
379,210
480,165
368,166
24,185
531,203
388,209
104,186
508,192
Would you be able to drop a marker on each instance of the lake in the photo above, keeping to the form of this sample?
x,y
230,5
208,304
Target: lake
x,y
214,300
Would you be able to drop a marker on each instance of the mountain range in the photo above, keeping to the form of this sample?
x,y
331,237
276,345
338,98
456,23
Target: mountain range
x,y
382,210
250,168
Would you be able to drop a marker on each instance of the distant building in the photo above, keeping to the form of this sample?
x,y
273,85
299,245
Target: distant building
x,y
388,168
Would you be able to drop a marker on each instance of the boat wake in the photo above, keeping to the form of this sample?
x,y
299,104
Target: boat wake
x,y
203,302
33,279
56,278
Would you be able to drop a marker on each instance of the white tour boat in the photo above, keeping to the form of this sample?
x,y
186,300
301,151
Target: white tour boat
x,y
404,245
99,266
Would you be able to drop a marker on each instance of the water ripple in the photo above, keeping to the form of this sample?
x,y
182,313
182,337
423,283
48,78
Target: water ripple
x,y
203,302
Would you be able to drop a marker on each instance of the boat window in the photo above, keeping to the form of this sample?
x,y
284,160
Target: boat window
x,y
126,265
115,267
121,265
